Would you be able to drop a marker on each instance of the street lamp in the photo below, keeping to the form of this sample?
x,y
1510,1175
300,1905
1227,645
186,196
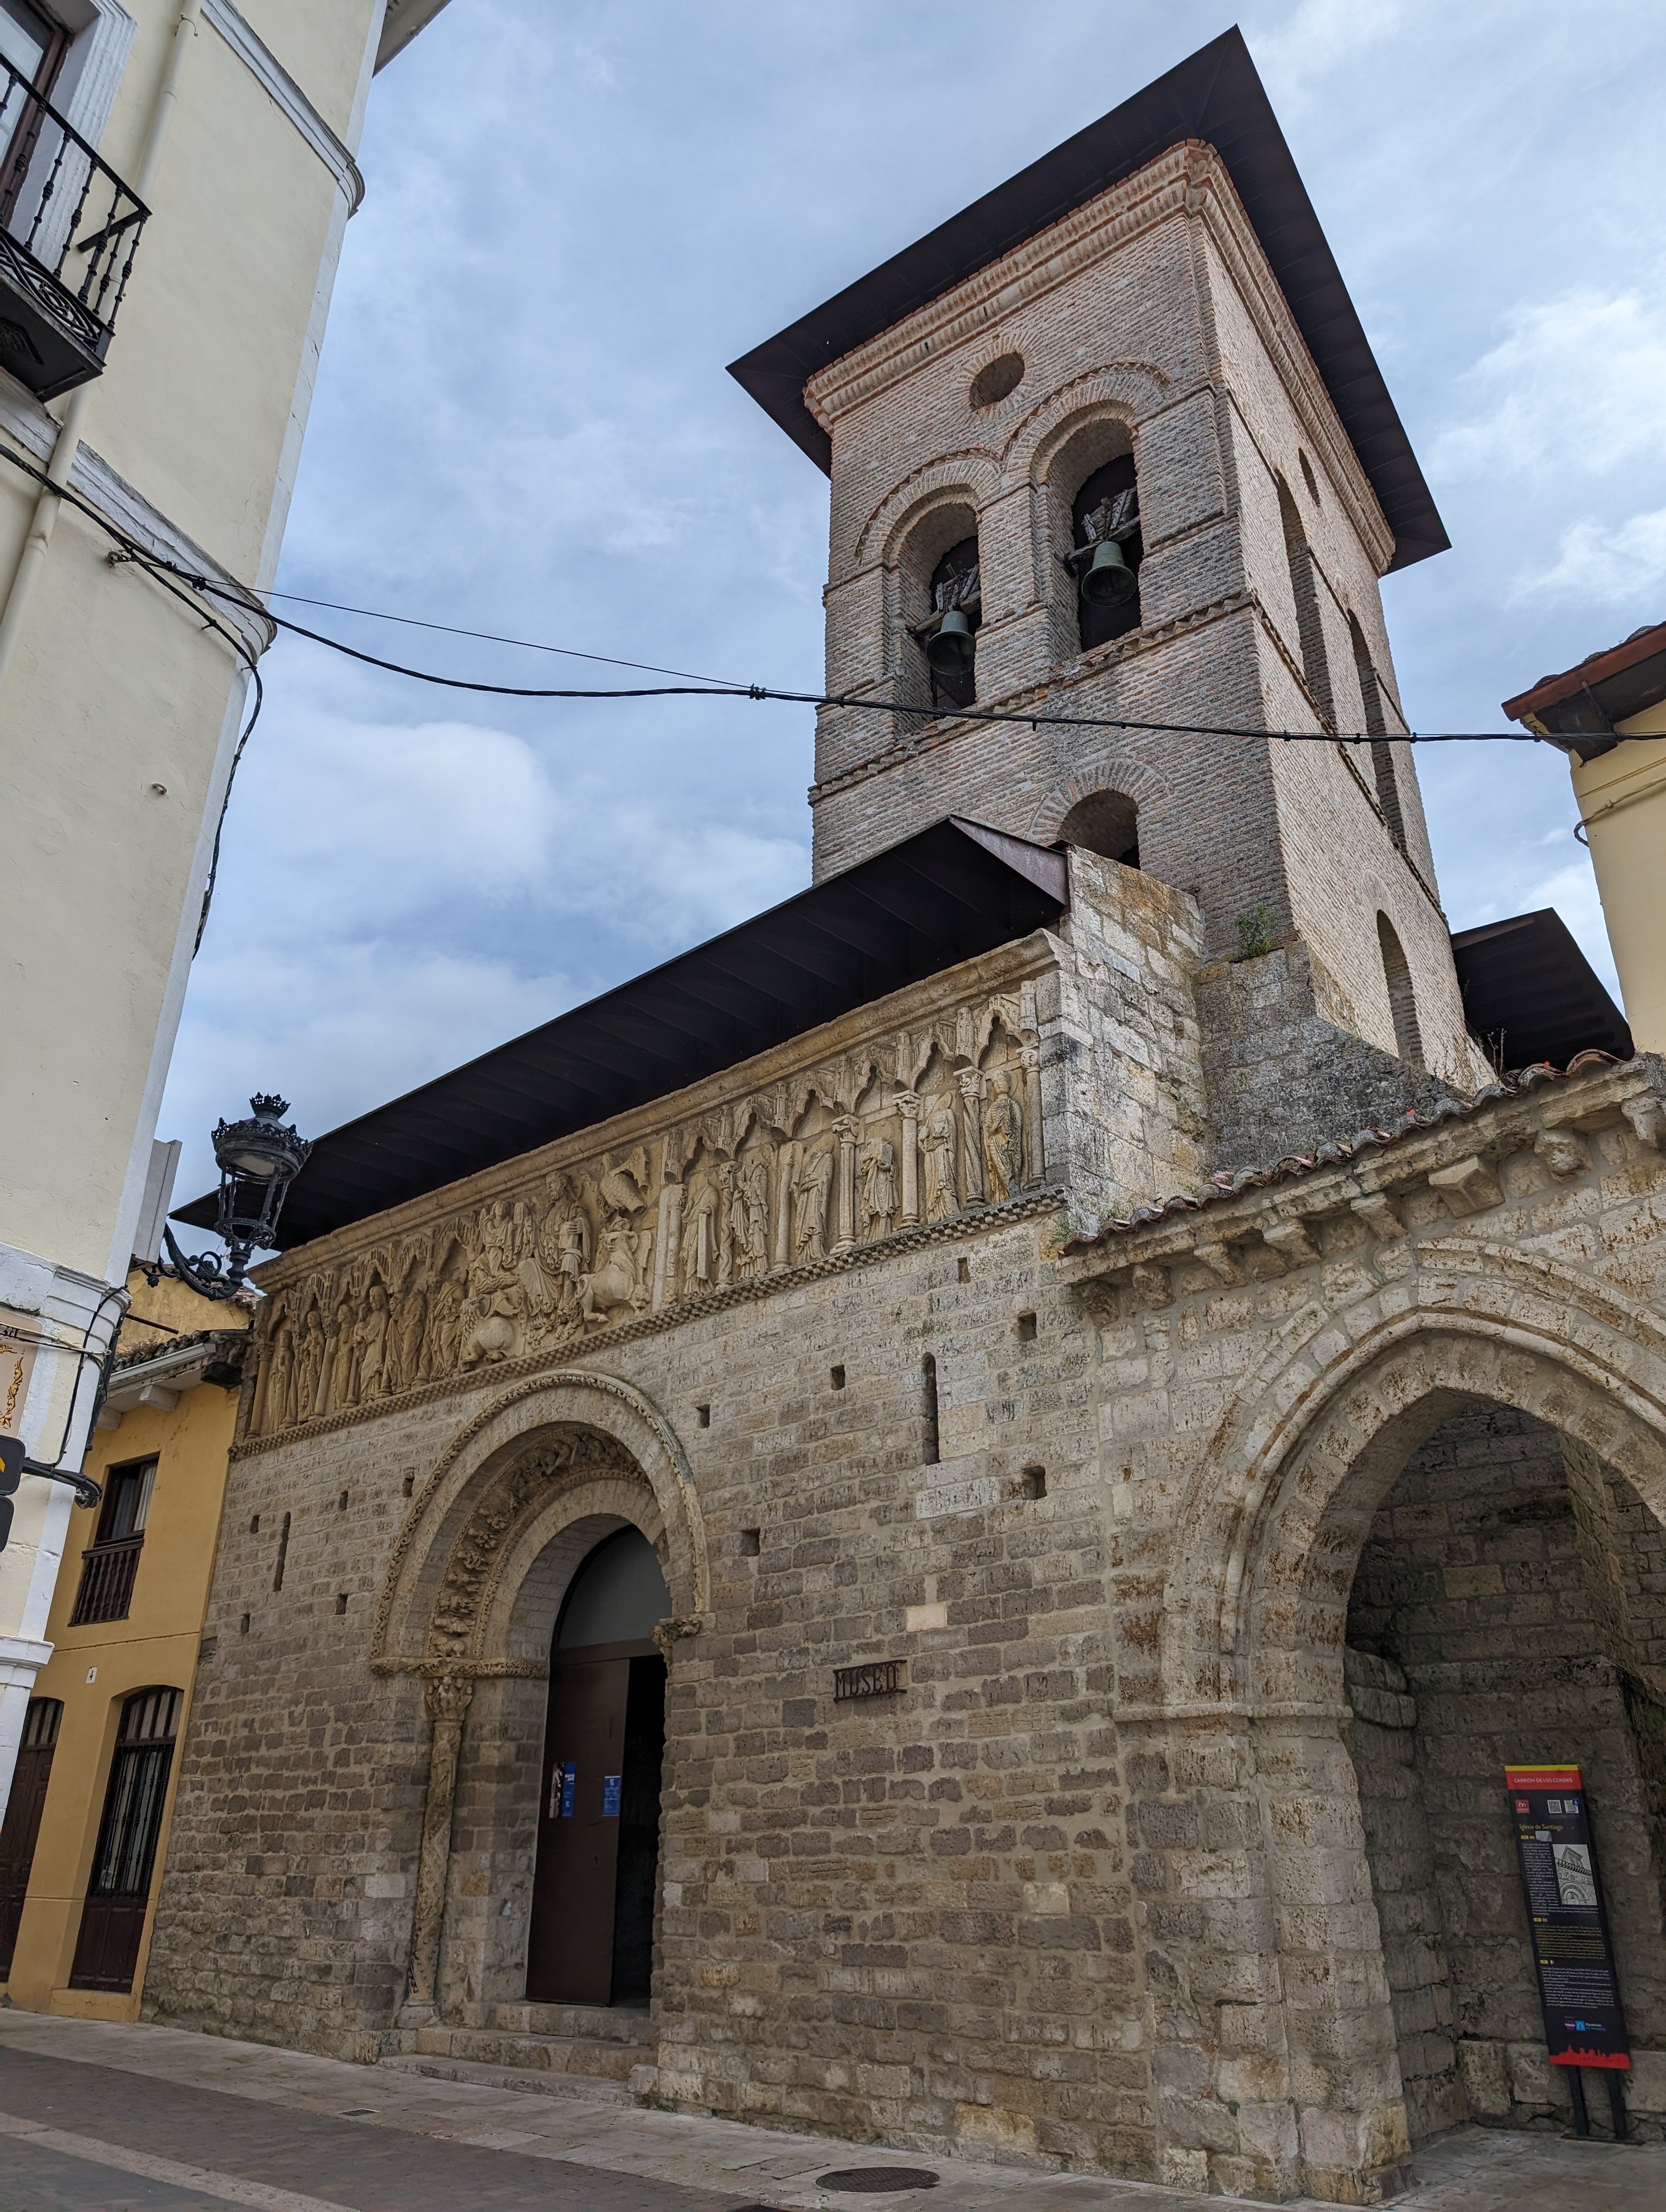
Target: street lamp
x,y
259,1160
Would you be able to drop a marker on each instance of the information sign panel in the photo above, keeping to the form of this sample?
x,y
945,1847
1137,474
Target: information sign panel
x,y
1584,2025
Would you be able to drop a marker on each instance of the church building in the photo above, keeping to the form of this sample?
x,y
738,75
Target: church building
x,y
938,1521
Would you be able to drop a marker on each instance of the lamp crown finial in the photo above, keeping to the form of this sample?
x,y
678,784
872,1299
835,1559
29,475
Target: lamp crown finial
x,y
268,1102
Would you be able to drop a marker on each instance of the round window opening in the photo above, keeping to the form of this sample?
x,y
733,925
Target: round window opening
x,y
997,379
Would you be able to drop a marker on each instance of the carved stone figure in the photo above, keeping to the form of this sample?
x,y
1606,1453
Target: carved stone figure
x,y
564,1242
310,1364
698,1251
937,1149
280,1407
619,1281
342,1358
751,1232
493,1308
443,1350
370,1346
878,1188
810,1189
1003,1144
408,1355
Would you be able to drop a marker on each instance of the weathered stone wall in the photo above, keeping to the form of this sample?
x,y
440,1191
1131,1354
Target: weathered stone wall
x,y
1482,1590
1094,1886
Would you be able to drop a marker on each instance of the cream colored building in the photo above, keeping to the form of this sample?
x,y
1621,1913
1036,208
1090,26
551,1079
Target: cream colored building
x,y
176,177
1609,716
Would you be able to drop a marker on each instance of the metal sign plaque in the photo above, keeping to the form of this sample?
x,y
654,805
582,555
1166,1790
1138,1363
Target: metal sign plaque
x,y
880,1678
1578,1995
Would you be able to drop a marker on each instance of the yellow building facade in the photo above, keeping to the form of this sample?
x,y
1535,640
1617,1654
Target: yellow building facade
x,y
176,181
86,1831
1610,716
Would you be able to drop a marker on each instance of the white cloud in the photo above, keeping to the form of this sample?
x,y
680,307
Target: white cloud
x,y
1576,387
1621,565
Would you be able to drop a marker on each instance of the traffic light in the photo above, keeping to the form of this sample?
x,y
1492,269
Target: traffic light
x,y
11,1474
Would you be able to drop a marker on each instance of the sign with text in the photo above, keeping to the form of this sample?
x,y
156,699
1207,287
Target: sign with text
x,y
1578,1995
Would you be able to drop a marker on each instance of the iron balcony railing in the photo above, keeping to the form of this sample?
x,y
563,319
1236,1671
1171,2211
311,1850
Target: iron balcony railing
x,y
68,230
106,1580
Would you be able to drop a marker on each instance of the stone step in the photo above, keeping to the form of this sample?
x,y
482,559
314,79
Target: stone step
x,y
580,2088
593,2056
600,2023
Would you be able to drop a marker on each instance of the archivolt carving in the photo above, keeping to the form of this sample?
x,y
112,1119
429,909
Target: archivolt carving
x,y
915,1129
569,1443
1261,1549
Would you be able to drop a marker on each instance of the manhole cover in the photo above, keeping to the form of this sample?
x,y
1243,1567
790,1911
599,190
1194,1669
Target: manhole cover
x,y
879,2181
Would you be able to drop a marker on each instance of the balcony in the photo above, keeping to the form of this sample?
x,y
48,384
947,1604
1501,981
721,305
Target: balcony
x,y
68,230
107,1581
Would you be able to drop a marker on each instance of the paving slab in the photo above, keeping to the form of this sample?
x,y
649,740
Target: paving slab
x,y
184,2112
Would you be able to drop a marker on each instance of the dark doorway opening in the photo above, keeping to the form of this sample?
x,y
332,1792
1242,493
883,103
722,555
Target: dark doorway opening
x,y
22,1829
112,1918
592,1938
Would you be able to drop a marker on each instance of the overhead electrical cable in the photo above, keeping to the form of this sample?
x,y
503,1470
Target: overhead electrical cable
x,y
1036,717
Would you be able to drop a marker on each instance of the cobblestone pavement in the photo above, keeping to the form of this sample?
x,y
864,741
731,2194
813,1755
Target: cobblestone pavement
x,y
102,2119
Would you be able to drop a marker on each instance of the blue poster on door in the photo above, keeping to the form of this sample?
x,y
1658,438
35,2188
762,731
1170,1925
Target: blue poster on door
x,y
564,1780
611,1795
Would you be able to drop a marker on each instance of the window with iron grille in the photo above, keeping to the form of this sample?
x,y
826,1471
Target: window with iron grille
x,y
111,1561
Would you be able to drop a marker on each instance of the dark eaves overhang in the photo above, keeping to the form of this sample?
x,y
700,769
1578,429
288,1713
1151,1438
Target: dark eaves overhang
x,y
1531,995
1580,709
953,891
1215,96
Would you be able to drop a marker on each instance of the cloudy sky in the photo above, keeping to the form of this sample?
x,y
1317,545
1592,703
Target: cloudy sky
x,y
579,212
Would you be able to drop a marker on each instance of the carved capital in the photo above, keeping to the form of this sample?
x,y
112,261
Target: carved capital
x,y
673,1631
447,1697
908,1103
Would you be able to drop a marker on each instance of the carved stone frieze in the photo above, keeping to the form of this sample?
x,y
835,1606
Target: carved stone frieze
x,y
913,1128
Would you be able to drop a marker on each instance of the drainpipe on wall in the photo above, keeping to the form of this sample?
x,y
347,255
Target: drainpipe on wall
x,y
32,559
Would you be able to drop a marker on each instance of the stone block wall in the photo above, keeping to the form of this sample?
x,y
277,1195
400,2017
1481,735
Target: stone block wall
x,y
1479,1595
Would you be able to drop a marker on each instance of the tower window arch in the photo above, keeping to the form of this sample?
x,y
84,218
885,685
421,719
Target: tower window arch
x,y
1403,999
1106,511
1376,727
955,592
1304,586
1104,822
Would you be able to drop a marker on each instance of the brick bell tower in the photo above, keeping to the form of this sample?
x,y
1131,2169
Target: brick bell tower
x,y
1115,429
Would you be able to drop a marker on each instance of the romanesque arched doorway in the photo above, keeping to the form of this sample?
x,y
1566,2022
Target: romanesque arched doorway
x,y
590,1938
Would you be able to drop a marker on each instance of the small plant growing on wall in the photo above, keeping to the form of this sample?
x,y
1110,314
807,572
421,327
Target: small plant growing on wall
x,y
1255,933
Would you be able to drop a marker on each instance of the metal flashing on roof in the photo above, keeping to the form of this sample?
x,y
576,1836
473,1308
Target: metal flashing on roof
x,y
945,896
1215,96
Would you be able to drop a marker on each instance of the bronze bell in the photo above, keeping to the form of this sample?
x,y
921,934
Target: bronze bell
x,y
949,650
1107,580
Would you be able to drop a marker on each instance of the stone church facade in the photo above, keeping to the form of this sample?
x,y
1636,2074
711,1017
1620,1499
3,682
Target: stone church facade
x,y
1138,1424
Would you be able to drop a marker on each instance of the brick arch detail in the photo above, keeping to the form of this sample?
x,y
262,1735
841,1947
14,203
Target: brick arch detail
x,y
650,1480
1278,1507
971,475
1118,766
1123,391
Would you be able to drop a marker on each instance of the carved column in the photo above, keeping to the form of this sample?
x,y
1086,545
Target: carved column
x,y
1035,1149
909,1106
447,1699
664,1250
845,1129
972,1097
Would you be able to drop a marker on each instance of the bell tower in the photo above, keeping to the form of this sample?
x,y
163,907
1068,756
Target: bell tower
x,y
1111,443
